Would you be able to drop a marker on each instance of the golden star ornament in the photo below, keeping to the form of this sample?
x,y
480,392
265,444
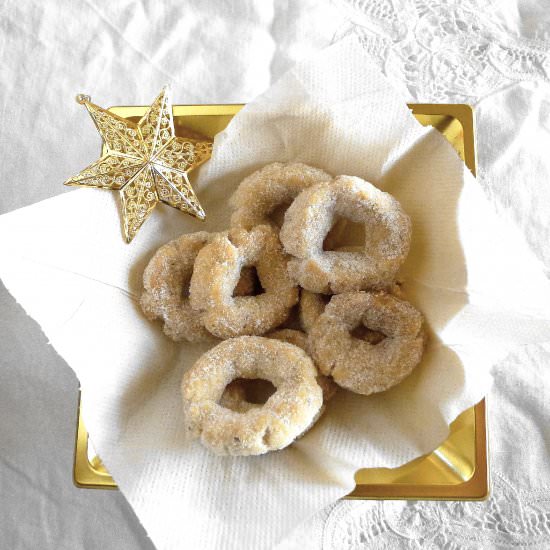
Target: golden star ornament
x,y
145,162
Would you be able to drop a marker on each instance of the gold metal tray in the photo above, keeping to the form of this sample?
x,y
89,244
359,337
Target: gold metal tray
x,y
457,469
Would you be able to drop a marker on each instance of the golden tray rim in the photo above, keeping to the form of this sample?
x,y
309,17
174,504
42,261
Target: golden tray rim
x,y
458,468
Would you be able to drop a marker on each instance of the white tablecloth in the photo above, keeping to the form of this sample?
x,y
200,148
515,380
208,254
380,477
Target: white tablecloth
x,y
495,57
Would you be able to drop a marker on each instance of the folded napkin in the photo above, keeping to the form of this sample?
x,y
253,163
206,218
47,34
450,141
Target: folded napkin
x,y
481,290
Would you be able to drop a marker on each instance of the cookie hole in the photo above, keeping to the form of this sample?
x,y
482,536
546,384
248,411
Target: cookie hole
x,y
248,391
249,283
266,437
185,290
293,319
368,335
345,236
277,215
258,391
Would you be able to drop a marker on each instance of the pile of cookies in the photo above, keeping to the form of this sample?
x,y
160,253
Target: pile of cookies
x,y
299,316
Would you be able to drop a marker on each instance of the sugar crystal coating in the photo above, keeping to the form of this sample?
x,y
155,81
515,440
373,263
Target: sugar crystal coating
x,y
312,305
356,364
217,270
165,281
235,394
261,197
274,425
298,338
357,330
311,216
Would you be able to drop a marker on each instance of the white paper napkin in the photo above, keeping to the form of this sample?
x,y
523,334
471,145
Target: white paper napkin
x,y
481,290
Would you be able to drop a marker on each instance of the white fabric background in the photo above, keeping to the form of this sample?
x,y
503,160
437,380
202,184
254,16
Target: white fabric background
x,y
495,57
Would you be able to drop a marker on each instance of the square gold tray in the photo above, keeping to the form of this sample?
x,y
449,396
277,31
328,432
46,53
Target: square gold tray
x,y
457,469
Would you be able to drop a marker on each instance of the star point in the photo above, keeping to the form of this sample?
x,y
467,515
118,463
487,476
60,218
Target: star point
x,y
145,162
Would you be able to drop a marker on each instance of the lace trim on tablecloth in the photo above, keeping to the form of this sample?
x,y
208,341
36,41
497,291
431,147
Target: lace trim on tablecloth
x,y
510,519
449,51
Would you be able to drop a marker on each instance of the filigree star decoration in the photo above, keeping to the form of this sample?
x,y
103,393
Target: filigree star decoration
x,y
145,162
